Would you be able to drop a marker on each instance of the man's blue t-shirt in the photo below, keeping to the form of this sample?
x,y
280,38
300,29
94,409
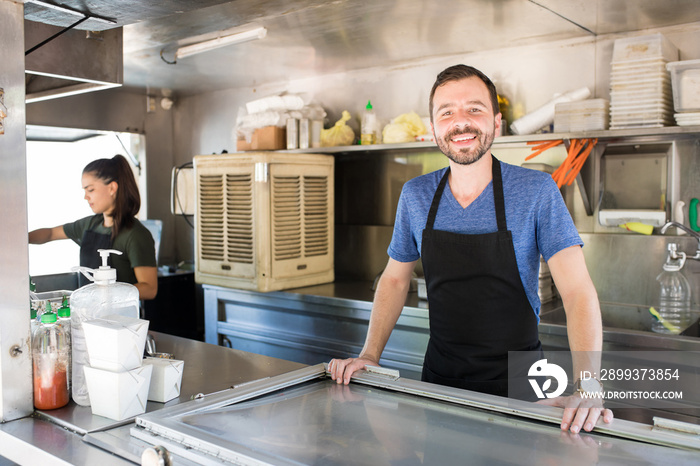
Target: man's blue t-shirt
x,y
535,213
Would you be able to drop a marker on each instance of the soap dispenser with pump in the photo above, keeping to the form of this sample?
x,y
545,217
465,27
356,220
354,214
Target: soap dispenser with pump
x,y
100,299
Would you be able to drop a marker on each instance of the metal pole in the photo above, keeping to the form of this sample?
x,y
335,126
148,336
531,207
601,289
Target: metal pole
x,y
15,349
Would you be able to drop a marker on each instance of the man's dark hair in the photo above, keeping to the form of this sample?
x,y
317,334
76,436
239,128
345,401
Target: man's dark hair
x,y
458,72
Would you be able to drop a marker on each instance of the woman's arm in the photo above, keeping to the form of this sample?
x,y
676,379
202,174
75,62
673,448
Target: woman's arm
x,y
146,281
44,235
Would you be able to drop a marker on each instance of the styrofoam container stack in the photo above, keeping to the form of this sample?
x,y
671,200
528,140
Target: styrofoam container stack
x,y
685,83
640,85
584,115
118,382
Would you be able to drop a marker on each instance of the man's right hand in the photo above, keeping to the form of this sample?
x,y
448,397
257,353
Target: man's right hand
x,y
342,369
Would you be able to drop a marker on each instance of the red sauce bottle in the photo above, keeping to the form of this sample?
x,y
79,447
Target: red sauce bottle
x,y
50,353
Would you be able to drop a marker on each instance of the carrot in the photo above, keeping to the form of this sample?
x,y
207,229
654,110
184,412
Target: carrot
x,y
580,160
541,147
561,174
566,165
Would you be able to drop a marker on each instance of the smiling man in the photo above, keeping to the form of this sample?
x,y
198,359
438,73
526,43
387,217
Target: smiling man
x,y
479,227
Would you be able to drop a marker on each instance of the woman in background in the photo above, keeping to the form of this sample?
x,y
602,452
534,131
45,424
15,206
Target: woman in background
x,y
113,195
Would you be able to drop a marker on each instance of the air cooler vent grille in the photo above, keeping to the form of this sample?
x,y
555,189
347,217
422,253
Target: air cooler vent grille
x,y
211,228
239,218
286,217
316,219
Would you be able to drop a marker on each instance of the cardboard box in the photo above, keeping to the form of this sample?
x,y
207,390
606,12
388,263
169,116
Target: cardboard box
x,y
115,343
166,379
267,138
118,395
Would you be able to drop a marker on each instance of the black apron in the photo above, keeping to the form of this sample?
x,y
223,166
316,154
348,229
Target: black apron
x,y
478,308
89,257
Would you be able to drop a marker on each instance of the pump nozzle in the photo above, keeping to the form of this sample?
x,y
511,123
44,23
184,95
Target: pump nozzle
x,y
104,274
104,254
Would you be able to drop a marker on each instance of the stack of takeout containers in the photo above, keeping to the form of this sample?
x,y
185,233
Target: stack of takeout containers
x,y
117,380
685,80
582,115
640,85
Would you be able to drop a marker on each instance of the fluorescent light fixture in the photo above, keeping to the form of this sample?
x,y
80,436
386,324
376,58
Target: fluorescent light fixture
x,y
200,47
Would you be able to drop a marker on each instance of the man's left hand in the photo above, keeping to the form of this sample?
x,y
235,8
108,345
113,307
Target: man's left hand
x,y
579,412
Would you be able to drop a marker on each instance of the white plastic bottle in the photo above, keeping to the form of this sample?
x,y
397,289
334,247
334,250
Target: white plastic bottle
x,y
673,299
104,297
368,126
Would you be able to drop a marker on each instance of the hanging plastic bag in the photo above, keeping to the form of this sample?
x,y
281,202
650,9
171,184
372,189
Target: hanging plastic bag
x,y
403,128
340,134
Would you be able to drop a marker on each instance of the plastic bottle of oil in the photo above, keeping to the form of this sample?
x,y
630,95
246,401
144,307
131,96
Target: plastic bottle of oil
x,y
673,299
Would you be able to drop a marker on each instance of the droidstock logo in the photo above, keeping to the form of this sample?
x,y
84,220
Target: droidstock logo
x,y
542,368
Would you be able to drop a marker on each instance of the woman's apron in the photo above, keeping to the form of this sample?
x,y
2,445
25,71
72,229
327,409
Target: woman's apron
x,y
89,257
477,304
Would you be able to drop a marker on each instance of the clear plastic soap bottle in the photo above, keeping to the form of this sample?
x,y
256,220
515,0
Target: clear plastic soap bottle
x,y
673,298
102,298
50,355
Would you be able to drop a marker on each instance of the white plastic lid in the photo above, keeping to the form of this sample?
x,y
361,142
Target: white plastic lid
x,y
106,274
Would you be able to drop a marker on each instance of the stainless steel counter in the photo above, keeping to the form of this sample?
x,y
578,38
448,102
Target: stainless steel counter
x,y
314,324
61,436
73,436
304,418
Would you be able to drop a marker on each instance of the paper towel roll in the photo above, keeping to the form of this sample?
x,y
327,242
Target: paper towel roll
x,y
544,116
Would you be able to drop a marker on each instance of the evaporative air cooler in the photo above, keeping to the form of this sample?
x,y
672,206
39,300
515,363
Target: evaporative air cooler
x,y
264,220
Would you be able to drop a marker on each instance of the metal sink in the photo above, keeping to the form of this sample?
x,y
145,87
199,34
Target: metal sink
x,y
620,316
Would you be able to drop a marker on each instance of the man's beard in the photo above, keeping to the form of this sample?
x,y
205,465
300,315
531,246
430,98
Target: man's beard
x,y
466,156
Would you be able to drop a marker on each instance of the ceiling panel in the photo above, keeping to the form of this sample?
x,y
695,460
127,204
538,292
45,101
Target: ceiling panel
x,y
314,37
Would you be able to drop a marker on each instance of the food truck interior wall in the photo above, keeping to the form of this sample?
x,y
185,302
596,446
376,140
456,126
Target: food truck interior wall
x,y
204,123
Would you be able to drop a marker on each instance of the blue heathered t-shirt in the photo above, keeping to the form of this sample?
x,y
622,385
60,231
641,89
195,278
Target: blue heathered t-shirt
x,y
535,213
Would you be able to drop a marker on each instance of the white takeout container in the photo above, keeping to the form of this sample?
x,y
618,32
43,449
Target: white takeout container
x,y
118,395
166,380
115,342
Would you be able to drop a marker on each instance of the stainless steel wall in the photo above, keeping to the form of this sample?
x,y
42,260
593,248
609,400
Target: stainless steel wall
x,y
205,124
15,358
623,265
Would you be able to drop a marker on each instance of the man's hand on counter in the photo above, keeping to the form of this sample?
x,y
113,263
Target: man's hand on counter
x,y
579,412
342,369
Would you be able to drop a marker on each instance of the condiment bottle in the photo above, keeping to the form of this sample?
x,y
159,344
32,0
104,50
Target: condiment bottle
x,y
50,356
102,298
34,321
63,315
368,126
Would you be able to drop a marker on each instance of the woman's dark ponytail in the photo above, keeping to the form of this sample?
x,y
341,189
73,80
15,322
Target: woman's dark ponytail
x,y
128,201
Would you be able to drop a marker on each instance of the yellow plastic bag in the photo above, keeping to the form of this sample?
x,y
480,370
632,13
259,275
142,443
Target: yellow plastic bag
x,y
403,128
340,134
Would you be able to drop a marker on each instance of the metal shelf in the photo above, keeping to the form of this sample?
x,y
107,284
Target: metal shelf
x,y
504,141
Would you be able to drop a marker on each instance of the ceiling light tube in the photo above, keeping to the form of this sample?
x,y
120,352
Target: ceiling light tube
x,y
200,47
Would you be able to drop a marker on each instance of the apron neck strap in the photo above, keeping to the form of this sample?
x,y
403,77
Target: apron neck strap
x,y
497,197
